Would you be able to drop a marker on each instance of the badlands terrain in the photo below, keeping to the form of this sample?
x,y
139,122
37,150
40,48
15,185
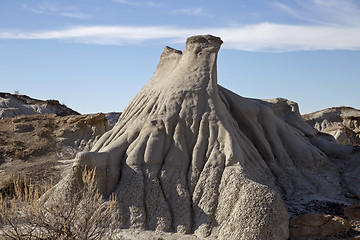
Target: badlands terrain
x,y
36,135
189,159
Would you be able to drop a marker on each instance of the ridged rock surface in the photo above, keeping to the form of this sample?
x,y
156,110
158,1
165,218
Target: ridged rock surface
x,y
190,156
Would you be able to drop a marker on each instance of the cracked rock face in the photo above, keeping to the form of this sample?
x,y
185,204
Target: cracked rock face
x,y
190,156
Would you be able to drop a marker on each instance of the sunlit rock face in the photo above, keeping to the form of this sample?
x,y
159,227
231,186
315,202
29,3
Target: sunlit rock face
x,y
343,123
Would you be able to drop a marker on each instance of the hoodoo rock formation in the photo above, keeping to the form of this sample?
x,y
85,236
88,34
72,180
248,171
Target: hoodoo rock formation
x,y
190,156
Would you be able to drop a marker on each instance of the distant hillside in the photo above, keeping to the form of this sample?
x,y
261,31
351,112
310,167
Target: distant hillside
x,y
36,135
12,105
343,123
34,145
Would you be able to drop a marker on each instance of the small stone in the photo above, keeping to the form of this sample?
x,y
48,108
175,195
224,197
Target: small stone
x,y
23,127
317,225
311,219
351,195
353,212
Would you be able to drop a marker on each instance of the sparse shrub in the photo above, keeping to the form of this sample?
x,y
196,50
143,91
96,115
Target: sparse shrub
x,y
57,215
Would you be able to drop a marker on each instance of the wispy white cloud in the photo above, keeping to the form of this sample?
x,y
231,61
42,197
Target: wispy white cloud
x,y
30,9
135,3
189,11
326,12
257,37
55,9
77,15
153,4
295,13
341,5
339,11
126,2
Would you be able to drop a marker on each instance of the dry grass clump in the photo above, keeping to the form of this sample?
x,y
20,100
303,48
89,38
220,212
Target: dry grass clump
x,y
58,214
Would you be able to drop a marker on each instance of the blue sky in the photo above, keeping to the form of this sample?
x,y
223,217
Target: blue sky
x,y
94,56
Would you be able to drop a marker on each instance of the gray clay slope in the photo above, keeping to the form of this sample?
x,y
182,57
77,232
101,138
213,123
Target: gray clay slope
x,y
190,156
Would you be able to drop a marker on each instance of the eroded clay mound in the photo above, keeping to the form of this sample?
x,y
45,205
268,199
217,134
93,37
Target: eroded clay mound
x,y
192,157
343,123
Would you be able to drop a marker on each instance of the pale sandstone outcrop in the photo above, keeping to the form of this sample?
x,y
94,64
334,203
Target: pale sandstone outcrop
x,y
190,156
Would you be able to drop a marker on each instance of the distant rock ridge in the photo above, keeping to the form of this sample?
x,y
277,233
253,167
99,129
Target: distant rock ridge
x,y
12,105
343,123
192,157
